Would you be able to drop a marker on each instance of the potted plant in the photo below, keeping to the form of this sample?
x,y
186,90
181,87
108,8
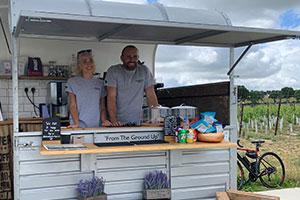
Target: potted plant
x,y
157,185
92,189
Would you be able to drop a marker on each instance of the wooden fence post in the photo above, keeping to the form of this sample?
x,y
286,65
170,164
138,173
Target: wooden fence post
x,y
278,115
268,115
255,124
241,119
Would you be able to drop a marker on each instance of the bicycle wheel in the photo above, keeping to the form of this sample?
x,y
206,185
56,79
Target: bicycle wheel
x,y
271,170
240,176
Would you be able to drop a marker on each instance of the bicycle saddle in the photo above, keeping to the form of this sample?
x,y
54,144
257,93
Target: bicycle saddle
x,y
257,141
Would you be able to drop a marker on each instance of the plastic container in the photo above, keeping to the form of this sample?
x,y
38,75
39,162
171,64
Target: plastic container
x,y
155,115
184,111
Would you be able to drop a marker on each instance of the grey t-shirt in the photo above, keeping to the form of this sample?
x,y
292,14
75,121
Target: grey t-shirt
x,y
88,94
130,90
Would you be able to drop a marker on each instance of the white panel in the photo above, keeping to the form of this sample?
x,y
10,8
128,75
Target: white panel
x,y
36,141
88,162
176,158
197,169
27,155
196,193
66,165
131,174
52,180
57,193
205,156
129,196
203,151
133,11
201,173
197,181
77,7
131,154
131,162
123,10
124,187
200,16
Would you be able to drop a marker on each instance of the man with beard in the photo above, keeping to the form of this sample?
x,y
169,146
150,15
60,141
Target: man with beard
x,y
126,84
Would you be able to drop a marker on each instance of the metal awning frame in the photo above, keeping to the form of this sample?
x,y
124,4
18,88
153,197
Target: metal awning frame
x,y
204,30
238,60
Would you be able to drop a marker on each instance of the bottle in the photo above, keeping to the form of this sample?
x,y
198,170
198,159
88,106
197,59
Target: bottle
x,y
186,123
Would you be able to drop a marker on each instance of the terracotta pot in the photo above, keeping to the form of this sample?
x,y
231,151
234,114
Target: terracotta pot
x,y
210,137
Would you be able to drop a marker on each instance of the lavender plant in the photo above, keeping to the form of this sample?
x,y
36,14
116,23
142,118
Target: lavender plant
x,y
91,188
156,180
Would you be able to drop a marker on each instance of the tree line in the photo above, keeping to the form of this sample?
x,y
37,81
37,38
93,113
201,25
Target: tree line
x,y
254,97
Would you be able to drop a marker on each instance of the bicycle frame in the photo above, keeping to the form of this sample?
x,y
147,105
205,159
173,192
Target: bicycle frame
x,y
247,165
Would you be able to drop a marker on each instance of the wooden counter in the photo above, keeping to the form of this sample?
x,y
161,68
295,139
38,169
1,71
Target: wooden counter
x,y
22,121
208,167
93,149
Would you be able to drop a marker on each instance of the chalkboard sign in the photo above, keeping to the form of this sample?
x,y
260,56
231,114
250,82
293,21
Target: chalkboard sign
x,y
170,125
51,129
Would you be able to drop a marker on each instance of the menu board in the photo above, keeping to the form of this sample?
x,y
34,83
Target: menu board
x,y
51,129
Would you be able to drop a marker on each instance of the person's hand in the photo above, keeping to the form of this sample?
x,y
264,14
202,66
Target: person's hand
x,y
106,123
116,123
73,126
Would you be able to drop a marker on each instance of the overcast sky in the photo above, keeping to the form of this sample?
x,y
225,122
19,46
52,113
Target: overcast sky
x,y
265,67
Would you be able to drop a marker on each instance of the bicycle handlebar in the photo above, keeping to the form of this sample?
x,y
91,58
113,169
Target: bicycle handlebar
x,y
238,143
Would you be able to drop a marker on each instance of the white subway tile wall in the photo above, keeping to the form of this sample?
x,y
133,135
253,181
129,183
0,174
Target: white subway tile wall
x,y
25,107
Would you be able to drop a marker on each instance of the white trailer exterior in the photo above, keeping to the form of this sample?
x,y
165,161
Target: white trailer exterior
x,y
194,173
55,177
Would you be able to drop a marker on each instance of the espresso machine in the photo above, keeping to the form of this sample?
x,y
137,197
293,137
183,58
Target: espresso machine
x,y
57,99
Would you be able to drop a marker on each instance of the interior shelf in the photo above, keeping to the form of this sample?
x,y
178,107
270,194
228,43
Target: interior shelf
x,y
9,77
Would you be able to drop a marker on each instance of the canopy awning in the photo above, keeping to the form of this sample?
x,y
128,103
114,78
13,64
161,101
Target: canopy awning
x,y
155,24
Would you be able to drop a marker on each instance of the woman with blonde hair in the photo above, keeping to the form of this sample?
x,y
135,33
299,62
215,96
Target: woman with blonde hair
x,y
86,95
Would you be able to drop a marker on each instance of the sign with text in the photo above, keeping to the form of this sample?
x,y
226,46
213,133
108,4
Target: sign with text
x,y
128,137
51,129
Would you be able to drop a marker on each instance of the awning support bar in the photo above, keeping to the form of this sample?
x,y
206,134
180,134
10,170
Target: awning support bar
x,y
239,59
272,39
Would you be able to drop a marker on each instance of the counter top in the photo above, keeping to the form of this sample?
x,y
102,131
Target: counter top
x,y
93,149
22,121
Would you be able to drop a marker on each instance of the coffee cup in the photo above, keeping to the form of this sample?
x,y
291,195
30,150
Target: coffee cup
x,y
65,138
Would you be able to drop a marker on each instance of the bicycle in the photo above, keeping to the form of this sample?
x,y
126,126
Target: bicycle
x,y
268,167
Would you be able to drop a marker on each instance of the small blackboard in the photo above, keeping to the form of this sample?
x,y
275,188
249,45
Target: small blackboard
x,y
51,129
170,125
